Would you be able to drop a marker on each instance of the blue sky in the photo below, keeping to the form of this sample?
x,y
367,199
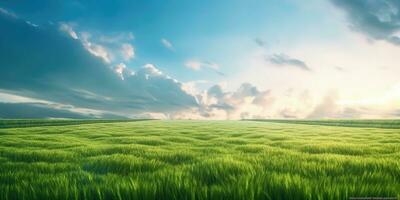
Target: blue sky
x,y
277,52
215,31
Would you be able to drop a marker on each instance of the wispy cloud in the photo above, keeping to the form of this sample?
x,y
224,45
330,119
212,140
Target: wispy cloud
x,y
32,24
285,60
69,30
127,51
260,42
199,65
8,13
167,44
110,48
95,49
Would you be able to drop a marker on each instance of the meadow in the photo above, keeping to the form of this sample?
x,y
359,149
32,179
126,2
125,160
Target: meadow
x,y
163,159
362,123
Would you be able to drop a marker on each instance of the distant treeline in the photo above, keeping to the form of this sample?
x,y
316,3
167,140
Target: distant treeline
x,y
21,123
367,123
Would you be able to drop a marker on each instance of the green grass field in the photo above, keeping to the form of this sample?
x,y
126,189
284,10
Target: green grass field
x,y
198,160
341,122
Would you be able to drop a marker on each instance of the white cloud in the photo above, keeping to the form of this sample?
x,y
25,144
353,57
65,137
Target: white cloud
x,y
151,70
119,69
103,46
216,103
194,65
197,65
127,51
99,51
327,108
167,44
7,12
191,86
12,99
32,24
95,49
110,47
122,71
68,29
250,102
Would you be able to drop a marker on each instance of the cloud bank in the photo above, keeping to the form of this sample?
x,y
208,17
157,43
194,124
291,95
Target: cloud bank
x,y
76,72
84,75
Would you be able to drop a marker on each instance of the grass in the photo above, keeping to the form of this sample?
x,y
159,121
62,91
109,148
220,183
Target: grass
x,y
198,160
364,123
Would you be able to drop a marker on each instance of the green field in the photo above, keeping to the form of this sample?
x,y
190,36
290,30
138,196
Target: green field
x,y
198,160
368,123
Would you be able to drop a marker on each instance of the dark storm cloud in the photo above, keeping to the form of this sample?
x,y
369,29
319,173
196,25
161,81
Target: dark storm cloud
x,y
378,19
285,60
44,63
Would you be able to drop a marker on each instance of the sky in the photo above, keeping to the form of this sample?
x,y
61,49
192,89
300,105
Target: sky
x,y
176,59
